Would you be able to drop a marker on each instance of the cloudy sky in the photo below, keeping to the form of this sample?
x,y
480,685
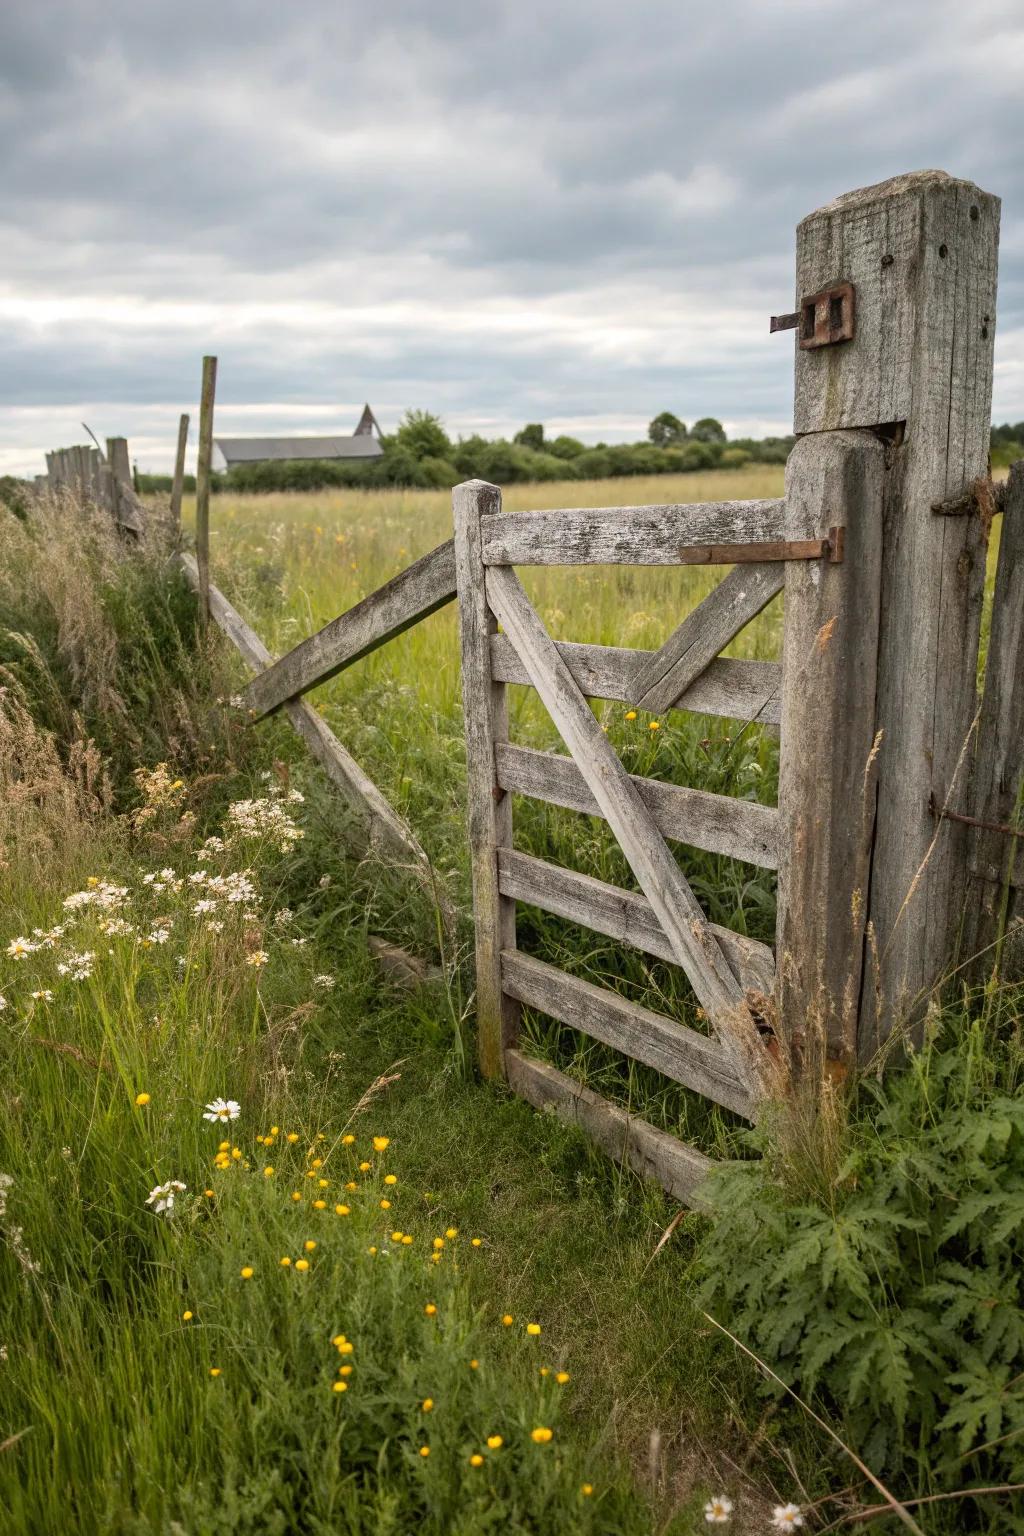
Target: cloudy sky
x,y
579,212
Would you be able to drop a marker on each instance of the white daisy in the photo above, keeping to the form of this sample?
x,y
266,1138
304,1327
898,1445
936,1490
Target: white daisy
x,y
20,948
718,1510
222,1109
162,1197
786,1517
257,959
44,995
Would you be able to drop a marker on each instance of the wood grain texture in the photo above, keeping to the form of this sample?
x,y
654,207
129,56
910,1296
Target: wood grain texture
x,y
921,251
994,926
626,535
679,1168
178,482
489,810
646,851
733,690
826,779
659,1042
117,489
740,829
693,646
385,825
203,469
625,916
422,589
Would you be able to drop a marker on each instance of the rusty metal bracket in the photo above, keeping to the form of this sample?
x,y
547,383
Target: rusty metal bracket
x,y
830,548
822,319
943,814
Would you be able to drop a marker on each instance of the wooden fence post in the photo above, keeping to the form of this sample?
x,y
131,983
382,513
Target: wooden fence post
x,y
920,251
826,780
995,907
203,486
177,484
485,718
121,471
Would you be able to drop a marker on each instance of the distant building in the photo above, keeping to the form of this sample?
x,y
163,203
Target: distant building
x,y
363,444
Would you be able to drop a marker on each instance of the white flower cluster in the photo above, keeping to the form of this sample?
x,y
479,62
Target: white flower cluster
x,y
162,1197
78,967
267,818
15,1236
323,983
103,894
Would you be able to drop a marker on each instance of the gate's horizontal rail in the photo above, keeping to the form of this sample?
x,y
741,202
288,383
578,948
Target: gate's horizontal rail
x,y
734,690
678,1168
626,916
658,535
651,1038
422,589
740,829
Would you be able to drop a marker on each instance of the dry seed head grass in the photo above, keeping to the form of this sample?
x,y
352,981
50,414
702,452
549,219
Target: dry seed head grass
x,y
45,803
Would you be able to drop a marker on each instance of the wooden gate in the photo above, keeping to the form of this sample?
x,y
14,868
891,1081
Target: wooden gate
x,y
816,544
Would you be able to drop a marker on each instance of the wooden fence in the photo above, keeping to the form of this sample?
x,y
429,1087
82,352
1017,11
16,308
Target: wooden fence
x,y
900,795
104,479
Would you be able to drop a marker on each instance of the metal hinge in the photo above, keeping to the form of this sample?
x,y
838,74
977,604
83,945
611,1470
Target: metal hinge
x,y
822,319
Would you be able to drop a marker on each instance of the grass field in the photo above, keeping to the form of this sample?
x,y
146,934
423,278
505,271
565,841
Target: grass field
x,y
150,1383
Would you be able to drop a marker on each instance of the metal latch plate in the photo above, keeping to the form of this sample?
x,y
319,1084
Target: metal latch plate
x,y
823,318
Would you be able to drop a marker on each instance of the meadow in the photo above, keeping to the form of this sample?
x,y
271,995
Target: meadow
x,y
388,1296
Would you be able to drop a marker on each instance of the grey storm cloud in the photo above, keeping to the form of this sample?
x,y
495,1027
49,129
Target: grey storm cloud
x,y
577,212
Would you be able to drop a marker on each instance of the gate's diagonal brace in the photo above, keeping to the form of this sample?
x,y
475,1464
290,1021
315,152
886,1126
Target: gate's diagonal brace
x,y
691,648
657,872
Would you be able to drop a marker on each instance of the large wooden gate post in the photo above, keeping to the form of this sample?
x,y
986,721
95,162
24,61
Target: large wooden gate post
x,y
485,715
920,252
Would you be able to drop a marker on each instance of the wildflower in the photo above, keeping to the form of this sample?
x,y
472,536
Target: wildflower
x,y
302,1265
214,1370
324,983
348,1140
19,948
162,1197
208,1193
309,1245
317,1162
507,1320
452,1232
654,725
345,1347
438,1244
561,1377
324,1183
630,714
545,1370
424,1451
476,1241
268,1172
141,1099
407,1239
3,1004
285,1262
292,1137
257,959
372,1248
586,1489
247,1272
351,1184
344,1370
319,1205
430,1309
541,1435
476,1460
341,1210
381,1143
236,1154
385,1205
786,1517
43,995
533,1329
221,1110
186,1317
390,1178
718,1510
365,1167
340,1386
396,1237
435,1258
494,1442
427,1404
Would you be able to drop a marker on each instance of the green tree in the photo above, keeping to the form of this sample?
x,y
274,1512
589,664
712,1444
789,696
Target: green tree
x,y
422,434
667,431
531,436
708,430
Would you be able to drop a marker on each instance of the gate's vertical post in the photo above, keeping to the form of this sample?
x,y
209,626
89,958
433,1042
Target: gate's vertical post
x,y
485,715
920,251
203,486
827,757
178,482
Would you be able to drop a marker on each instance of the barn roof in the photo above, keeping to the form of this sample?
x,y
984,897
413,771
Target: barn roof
x,y
256,450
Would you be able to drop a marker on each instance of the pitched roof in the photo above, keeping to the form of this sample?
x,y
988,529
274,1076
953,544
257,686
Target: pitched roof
x,y
256,450
368,424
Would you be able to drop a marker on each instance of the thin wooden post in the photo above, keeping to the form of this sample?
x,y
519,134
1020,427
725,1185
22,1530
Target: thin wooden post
x,y
827,756
485,718
203,486
920,251
995,907
121,470
177,484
